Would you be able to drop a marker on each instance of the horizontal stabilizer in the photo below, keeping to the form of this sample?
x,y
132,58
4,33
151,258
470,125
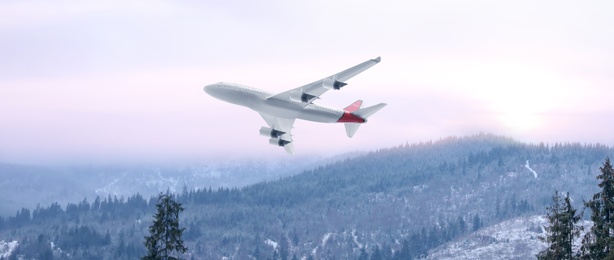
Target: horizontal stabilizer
x,y
368,111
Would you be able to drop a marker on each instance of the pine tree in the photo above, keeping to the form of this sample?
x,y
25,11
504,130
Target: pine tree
x,y
376,255
477,223
562,229
462,225
363,254
256,253
598,242
284,248
165,234
572,229
404,252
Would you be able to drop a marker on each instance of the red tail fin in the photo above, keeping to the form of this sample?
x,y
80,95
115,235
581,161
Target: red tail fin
x,y
348,116
354,106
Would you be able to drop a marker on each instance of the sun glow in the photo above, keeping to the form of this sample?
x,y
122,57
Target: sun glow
x,y
519,94
520,122
516,94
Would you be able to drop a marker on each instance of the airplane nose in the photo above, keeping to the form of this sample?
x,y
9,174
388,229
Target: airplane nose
x,y
208,88
215,90
211,89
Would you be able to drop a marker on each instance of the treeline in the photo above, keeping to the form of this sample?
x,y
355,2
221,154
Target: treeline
x,y
101,210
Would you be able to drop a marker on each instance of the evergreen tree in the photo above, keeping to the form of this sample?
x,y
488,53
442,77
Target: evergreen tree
x,y
275,255
404,252
165,234
462,225
256,253
598,242
387,252
376,255
553,237
572,229
476,222
284,248
562,229
363,254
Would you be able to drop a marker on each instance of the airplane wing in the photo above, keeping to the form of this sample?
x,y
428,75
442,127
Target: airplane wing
x,y
306,94
279,131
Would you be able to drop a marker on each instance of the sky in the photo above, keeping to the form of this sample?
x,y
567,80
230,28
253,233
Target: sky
x,y
105,81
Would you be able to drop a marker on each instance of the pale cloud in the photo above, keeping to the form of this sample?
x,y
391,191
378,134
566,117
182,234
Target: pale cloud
x,y
20,14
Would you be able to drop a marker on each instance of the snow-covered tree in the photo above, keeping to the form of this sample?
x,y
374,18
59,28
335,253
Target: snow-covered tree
x,y
562,230
599,241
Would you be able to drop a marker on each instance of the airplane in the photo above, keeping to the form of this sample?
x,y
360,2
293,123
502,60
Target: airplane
x,y
282,109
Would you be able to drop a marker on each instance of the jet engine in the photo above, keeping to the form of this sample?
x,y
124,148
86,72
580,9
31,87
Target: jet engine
x,y
267,131
278,142
300,96
332,84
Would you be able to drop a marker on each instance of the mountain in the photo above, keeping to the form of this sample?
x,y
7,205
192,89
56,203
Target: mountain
x,y
403,201
25,186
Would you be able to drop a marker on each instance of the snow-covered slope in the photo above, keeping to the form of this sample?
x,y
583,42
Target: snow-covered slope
x,y
513,239
6,248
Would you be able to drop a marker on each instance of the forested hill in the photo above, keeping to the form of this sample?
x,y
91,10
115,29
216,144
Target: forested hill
x,y
396,202
28,186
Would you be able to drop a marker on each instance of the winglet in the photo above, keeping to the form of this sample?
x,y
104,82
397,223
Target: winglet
x,y
378,59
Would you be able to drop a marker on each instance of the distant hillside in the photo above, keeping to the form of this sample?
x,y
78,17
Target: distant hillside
x,y
401,201
28,186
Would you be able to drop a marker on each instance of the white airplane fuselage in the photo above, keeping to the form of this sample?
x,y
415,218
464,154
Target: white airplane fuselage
x,y
281,110
256,100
